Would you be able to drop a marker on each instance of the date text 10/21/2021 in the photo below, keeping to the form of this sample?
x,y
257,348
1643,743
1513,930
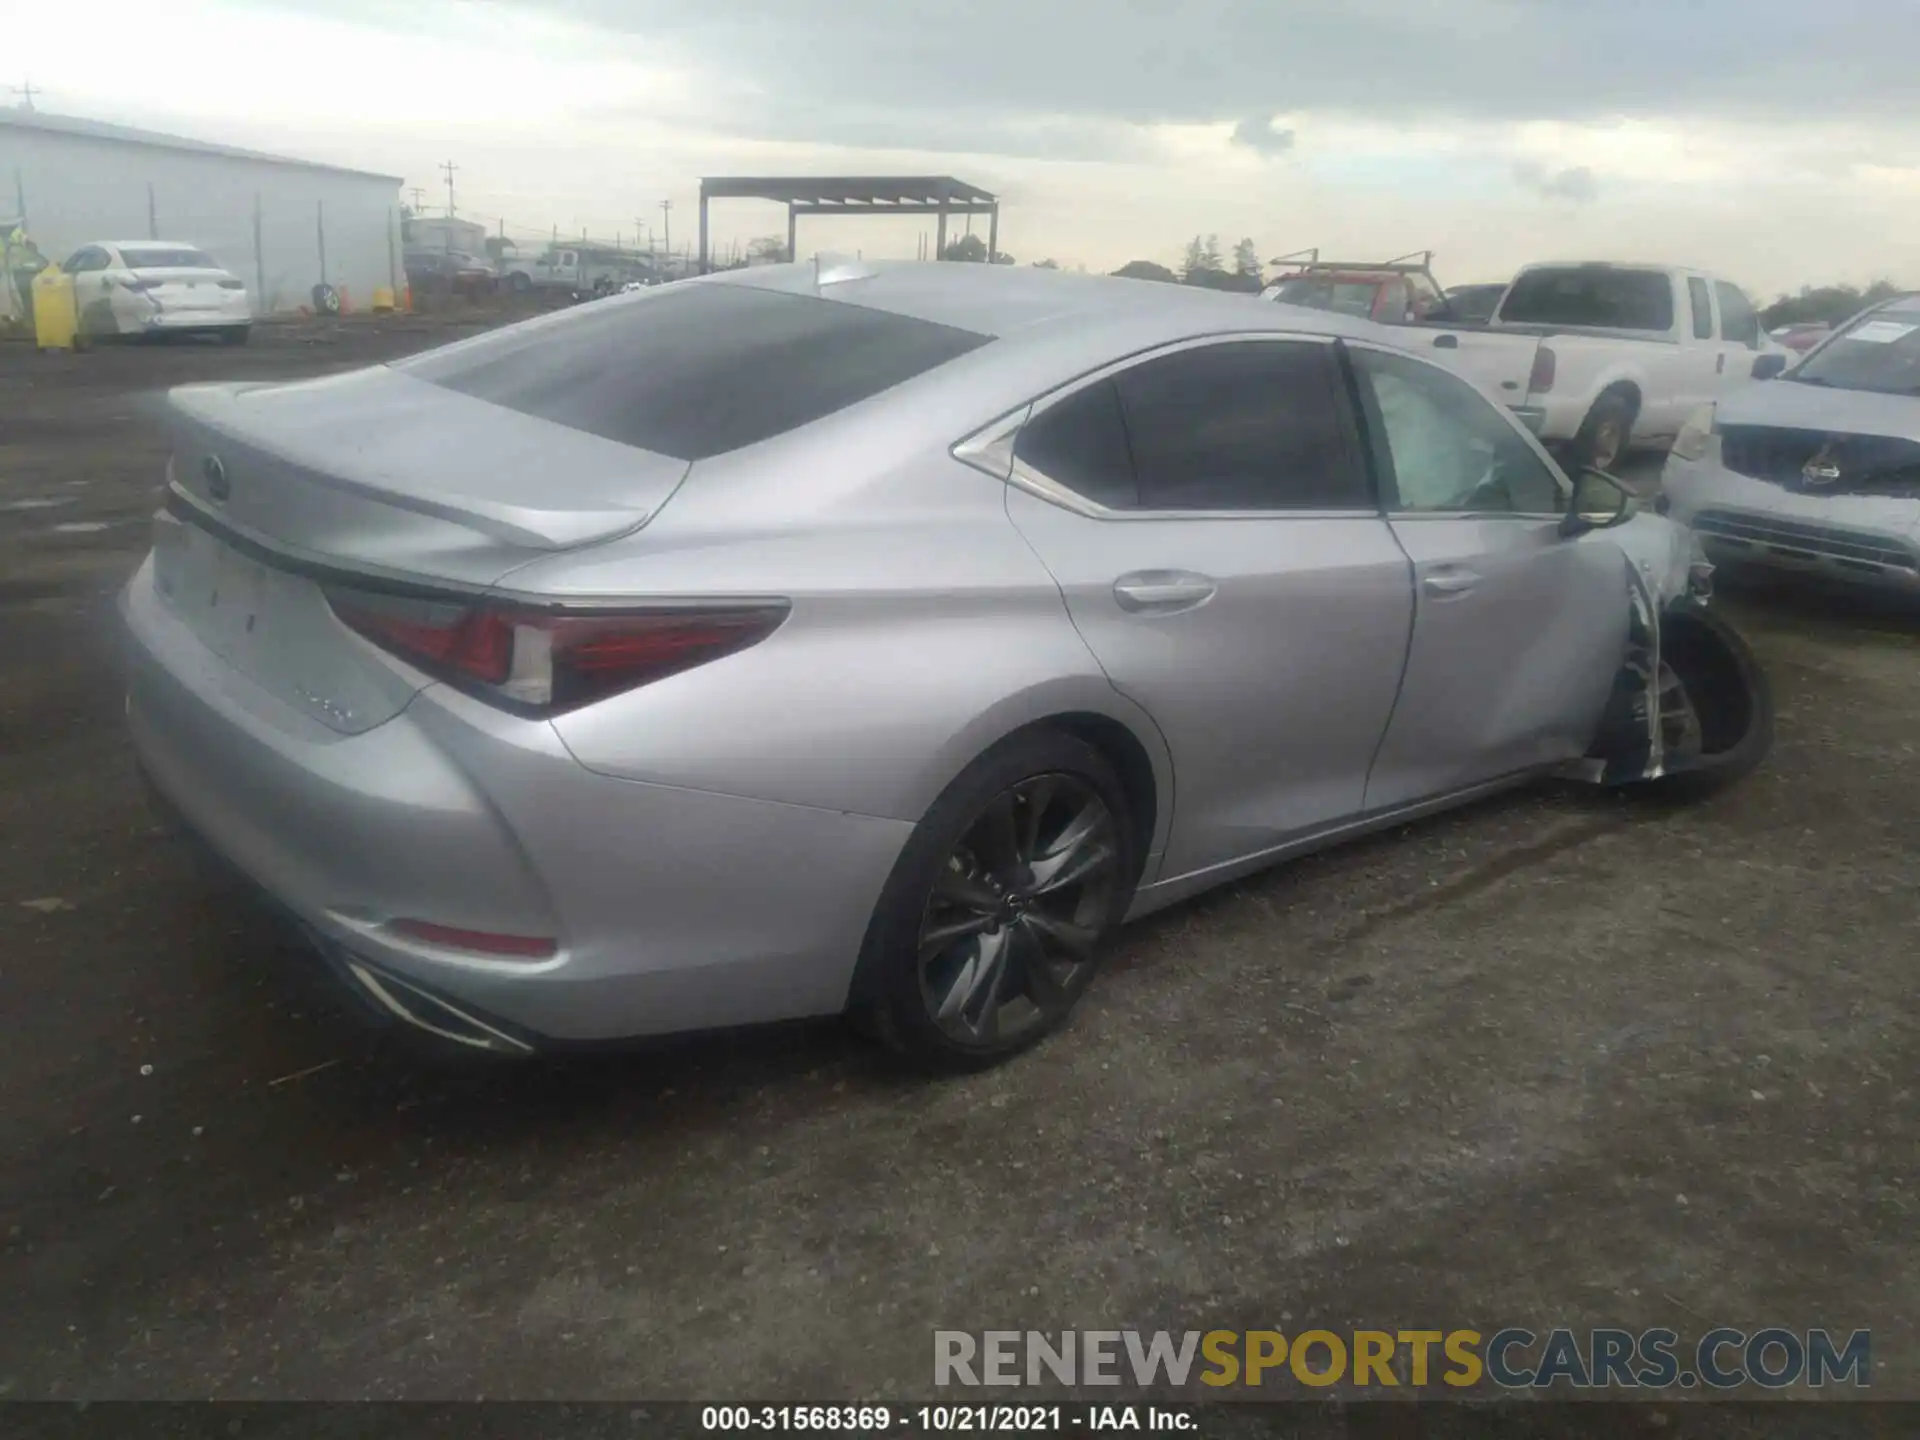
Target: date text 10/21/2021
x,y
998,1419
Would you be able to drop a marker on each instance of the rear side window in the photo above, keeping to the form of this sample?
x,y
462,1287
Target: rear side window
x,y
1738,322
695,370
1591,295
1702,306
1081,443
1241,425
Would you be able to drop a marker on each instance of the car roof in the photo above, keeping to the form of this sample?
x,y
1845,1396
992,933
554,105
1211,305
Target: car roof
x,y
1003,300
1908,304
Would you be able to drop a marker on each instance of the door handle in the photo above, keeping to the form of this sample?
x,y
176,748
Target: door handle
x,y
1449,582
1162,590
1720,364
1446,342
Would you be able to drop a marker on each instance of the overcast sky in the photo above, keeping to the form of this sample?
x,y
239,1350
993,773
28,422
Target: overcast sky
x,y
1774,140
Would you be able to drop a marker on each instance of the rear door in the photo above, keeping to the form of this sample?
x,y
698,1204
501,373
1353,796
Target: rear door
x,y
1517,632
1207,515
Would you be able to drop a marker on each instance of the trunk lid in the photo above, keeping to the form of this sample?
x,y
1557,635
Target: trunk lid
x,y
379,470
377,473
185,290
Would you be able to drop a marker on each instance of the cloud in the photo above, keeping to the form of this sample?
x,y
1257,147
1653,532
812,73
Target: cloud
x,y
1259,134
1574,182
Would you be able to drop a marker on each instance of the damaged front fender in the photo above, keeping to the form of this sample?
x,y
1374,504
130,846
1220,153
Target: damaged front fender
x,y
1673,635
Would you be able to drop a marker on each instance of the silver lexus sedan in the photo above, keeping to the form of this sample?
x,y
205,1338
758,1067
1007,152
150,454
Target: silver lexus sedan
x,y
873,639
1817,472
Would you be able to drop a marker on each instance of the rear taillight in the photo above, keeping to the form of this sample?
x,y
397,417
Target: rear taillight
x,y
547,661
1540,378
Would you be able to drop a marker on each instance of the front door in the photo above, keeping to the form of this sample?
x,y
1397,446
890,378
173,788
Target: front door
x,y
1207,515
1518,633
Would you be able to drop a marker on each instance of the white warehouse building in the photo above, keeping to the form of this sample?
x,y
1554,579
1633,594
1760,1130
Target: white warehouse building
x,y
268,219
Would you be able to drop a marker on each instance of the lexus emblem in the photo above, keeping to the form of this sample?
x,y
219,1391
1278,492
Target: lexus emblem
x,y
218,486
1821,470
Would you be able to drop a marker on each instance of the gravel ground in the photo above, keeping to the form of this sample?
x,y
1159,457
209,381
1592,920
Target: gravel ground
x,y
1561,1059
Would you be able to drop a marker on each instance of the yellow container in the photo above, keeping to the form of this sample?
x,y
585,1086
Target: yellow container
x,y
382,299
56,320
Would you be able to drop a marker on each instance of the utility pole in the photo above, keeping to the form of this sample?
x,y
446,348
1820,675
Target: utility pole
x,y
26,93
666,228
448,168
419,195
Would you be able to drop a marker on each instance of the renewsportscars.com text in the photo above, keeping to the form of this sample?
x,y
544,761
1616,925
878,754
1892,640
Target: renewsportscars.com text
x,y
1599,1359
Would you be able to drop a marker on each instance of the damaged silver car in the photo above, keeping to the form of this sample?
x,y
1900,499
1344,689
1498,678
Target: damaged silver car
x,y
881,649
1817,472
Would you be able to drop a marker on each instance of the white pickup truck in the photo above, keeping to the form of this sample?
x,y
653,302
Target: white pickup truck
x,y
1599,358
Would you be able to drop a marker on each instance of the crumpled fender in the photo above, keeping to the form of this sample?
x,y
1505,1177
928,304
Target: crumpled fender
x,y
1662,578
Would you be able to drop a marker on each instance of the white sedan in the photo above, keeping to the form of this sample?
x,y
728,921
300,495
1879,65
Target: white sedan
x,y
148,287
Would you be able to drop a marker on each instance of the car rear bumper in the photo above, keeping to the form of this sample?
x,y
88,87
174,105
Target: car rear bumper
x,y
1861,540
670,909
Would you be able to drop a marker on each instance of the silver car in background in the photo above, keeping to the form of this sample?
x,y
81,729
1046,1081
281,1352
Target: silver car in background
x,y
873,638
1817,472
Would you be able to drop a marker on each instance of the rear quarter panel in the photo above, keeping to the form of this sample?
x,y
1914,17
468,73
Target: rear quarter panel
x,y
923,630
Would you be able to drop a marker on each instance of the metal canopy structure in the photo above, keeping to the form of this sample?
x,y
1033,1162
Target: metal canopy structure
x,y
940,195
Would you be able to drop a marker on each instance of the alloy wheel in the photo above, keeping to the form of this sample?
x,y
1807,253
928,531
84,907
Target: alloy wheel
x,y
1010,930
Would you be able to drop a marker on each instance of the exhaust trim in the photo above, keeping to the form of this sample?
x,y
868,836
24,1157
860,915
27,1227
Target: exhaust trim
x,y
478,1035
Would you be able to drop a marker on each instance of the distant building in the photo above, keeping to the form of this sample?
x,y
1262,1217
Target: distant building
x,y
264,217
446,232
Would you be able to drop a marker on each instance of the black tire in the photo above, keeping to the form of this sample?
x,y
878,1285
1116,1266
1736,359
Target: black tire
x,y
236,334
947,879
1605,435
1730,699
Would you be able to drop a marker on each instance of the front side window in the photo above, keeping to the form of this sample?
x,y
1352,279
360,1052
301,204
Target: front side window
x,y
1439,445
1702,306
1738,320
1241,425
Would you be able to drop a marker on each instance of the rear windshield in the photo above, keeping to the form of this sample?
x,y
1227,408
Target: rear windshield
x,y
694,370
1591,295
172,257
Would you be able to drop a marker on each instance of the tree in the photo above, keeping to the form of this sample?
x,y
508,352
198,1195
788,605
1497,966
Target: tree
x,y
1830,304
1246,259
767,249
1046,264
1147,270
1203,265
974,249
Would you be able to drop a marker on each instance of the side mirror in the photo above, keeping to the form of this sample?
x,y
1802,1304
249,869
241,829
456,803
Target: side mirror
x,y
1598,502
1765,367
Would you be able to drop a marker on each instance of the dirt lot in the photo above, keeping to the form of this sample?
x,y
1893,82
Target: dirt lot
x,y
1563,1059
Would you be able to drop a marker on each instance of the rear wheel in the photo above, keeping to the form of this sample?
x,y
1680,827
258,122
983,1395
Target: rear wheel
x,y
991,925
